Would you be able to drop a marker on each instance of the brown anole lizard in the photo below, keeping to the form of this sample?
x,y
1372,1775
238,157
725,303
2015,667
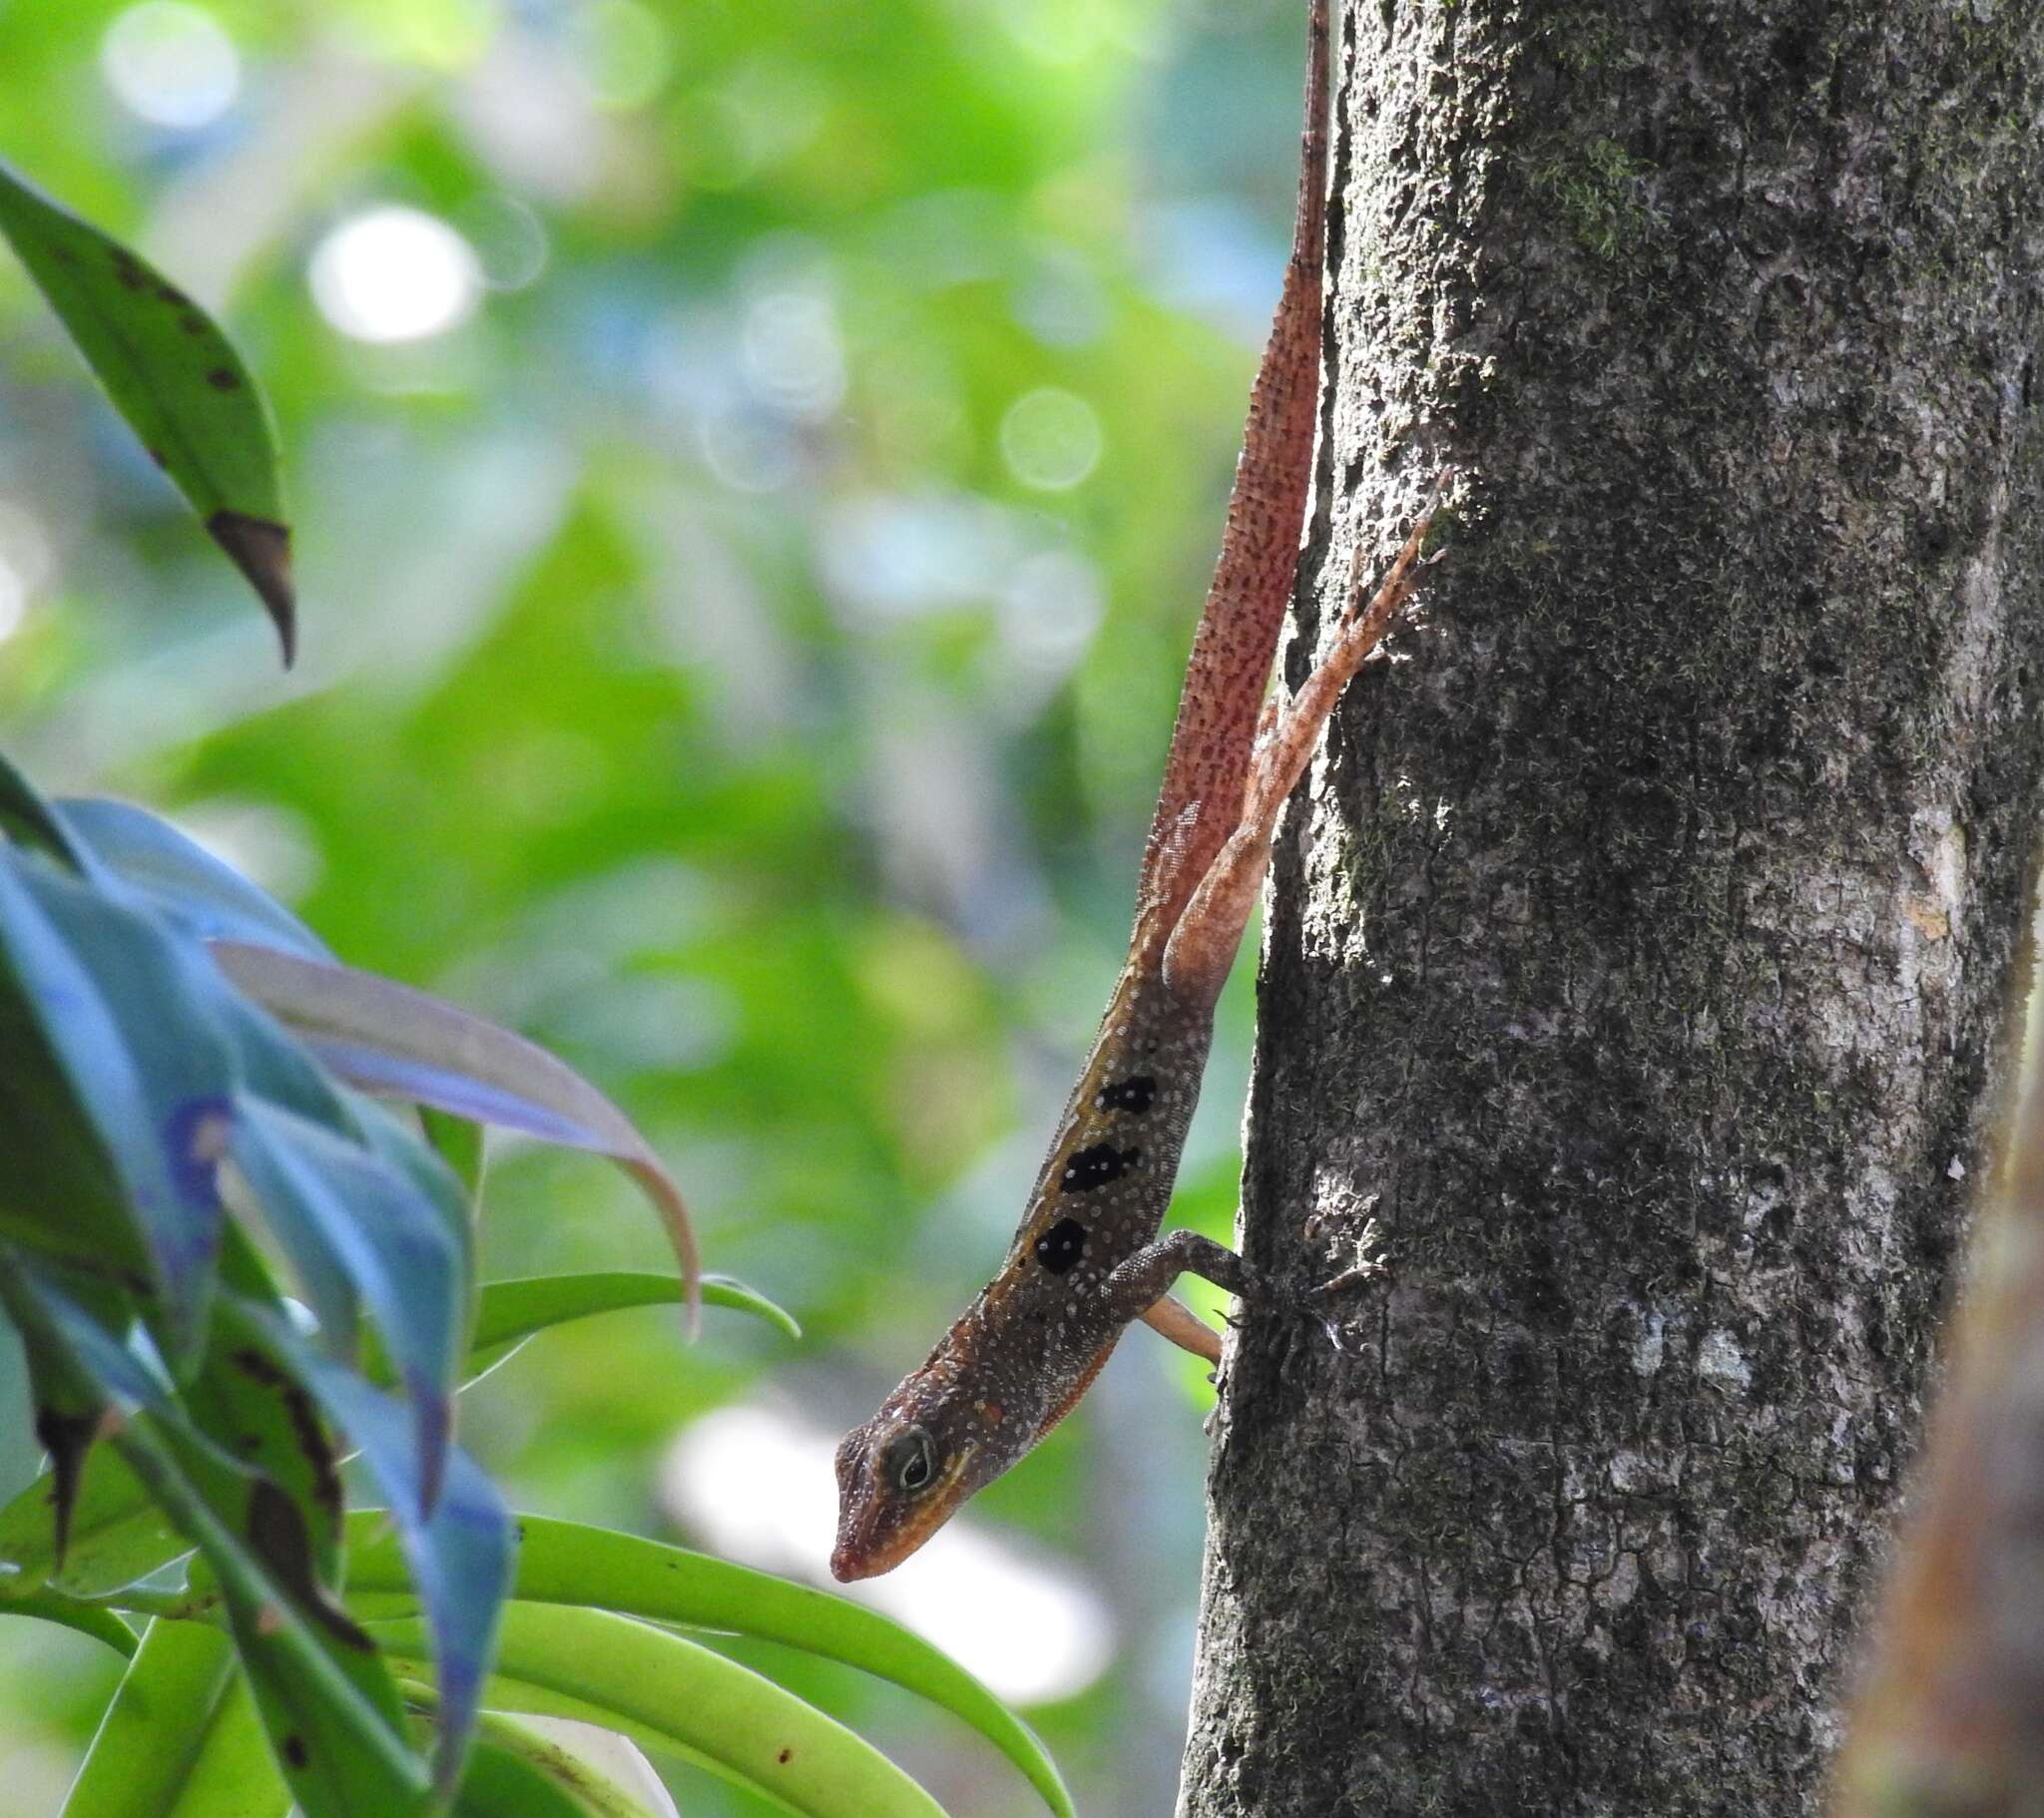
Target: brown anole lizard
x,y
1086,1258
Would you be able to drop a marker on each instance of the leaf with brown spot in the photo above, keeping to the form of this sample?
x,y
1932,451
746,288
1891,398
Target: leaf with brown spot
x,y
175,377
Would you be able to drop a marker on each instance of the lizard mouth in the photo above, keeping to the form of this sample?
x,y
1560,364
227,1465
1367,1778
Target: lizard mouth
x,y
864,1550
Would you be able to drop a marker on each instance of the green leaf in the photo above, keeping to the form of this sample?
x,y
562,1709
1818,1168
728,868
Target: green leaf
x,y
509,1312
568,1562
93,1619
666,1692
68,1406
117,1533
516,1771
233,1774
154,1728
173,374
388,1039
328,1699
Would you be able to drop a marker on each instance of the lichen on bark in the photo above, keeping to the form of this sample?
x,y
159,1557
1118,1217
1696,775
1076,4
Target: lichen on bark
x,y
1643,946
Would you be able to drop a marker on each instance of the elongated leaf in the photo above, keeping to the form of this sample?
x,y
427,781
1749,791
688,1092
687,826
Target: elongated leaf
x,y
340,1209
123,1012
154,1727
30,820
233,1774
197,892
173,374
93,1619
387,1038
667,1693
68,1406
568,1562
518,1771
328,1700
117,1533
458,1558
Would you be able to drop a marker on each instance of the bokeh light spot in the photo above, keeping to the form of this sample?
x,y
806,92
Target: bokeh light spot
x,y
395,273
759,1485
622,52
1051,439
171,63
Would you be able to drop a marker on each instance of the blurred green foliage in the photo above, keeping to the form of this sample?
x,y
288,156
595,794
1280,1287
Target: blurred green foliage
x,y
739,653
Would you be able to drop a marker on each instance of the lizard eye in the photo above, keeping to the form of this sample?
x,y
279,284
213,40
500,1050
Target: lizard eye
x,y
909,1461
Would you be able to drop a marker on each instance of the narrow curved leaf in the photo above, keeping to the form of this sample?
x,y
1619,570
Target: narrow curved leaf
x,y
458,1558
233,1774
387,1038
667,1693
93,1619
153,1729
117,1533
173,374
123,1012
342,1210
518,1770
197,892
27,818
568,1562
328,1699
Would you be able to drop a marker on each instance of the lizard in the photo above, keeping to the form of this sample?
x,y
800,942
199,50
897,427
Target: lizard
x,y
1087,1260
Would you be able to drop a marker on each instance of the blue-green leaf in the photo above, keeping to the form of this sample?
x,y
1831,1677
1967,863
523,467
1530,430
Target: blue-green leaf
x,y
195,891
326,1698
388,1039
339,1206
458,1558
125,1013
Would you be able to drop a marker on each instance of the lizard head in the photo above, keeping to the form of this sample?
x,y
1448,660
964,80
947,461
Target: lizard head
x,y
901,1475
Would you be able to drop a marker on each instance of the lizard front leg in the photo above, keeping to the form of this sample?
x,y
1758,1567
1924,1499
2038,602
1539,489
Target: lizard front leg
x,y
1140,1280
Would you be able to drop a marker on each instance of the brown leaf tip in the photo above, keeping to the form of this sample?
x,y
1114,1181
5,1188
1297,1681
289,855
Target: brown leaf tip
x,y
262,550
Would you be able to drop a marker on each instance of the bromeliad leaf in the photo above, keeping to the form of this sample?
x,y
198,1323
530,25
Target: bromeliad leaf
x,y
118,1090
197,892
93,1619
327,1699
387,1038
174,375
354,1223
567,1563
516,1770
458,1558
166,1701
669,1693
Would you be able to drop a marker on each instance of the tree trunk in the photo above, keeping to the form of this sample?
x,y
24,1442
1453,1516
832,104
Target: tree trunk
x,y
1642,950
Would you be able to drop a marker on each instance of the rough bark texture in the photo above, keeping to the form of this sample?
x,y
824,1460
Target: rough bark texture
x,y
1644,946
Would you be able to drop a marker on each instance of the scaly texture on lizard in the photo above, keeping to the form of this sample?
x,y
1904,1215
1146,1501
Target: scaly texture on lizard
x,y
1086,1258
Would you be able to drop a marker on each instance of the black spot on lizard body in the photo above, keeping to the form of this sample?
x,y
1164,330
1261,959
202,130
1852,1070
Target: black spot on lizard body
x,y
1060,1247
1134,1095
1096,1167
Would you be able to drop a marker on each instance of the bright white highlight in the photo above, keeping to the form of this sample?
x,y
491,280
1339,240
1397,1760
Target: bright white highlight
x,y
759,1485
1051,439
395,275
13,602
171,63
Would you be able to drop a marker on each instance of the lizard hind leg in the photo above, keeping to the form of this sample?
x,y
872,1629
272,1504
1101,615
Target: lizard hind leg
x,y
1203,944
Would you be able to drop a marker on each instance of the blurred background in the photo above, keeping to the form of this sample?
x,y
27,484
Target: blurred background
x,y
754,468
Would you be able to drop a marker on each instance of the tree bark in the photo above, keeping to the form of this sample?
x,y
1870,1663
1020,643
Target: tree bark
x,y
1642,950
